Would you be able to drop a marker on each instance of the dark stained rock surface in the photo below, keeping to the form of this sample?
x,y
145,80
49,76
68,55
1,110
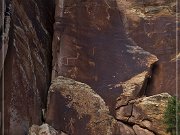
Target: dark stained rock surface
x,y
27,64
164,78
73,107
152,25
90,45
103,61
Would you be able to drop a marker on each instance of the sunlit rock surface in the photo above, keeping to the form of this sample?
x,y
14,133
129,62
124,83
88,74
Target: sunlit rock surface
x,y
146,112
44,129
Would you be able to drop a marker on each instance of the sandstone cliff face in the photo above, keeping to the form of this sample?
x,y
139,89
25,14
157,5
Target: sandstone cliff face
x,y
90,45
27,63
152,25
105,57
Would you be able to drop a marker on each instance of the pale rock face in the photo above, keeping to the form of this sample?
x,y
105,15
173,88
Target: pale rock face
x,y
147,112
44,129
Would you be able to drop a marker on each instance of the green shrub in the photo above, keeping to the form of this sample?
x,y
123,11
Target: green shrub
x,y
170,116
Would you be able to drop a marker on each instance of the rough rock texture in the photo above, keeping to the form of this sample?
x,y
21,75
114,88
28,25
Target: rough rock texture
x,y
164,78
27,64
125,129
90,45
4,28
140,131
133,88
152,25
75,108
146,112
111,46
44,129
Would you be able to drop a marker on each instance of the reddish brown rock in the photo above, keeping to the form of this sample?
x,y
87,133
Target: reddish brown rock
x,y
125,129
27,64
75,108
90,45
133,88
164,78
152,25
140,131
124,113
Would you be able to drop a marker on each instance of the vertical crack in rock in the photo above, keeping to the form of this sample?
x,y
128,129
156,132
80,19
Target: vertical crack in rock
x,y
92,48
5,33
90,45
27,66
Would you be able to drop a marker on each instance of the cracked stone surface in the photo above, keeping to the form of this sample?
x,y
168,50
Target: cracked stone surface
x,y
82,111
151,24
146,112
90,45
140,131
117,58
44,129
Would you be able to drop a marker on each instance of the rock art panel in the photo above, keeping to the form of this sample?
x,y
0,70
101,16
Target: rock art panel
x,y
73,107
90,45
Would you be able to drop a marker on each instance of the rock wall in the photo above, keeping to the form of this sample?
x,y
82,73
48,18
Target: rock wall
x,y
90,45
152,25
27,67
102,58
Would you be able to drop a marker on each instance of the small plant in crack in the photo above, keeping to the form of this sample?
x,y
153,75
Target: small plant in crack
x,y
172,116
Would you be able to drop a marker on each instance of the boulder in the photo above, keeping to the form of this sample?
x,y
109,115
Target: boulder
x,y
44,129
125,129
75,108
147,112
140,131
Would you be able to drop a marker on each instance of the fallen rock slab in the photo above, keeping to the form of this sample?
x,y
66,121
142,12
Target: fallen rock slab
x,y
75,108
